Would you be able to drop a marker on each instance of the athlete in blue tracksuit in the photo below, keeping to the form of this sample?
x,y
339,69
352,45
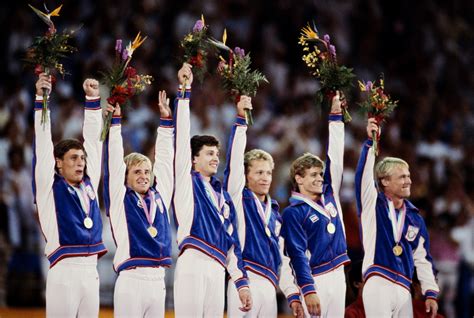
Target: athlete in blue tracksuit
x,y
66,200
206,218
248,179
313,227
137,199
394,236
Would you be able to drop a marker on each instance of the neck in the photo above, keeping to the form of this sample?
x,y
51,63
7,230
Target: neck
x,y
397,202
313,196
261,197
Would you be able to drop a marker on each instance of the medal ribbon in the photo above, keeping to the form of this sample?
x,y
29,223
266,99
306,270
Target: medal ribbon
x,y
150,214
216,199
311,203
265,215
83,197
397,223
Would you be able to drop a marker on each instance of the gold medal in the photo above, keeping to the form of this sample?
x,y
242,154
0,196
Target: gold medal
x,y
331,228
397,250
267,230
88,223
152,231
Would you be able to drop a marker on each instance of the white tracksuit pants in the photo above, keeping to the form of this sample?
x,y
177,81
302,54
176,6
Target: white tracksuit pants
x,y
72,288
199,286
382,298
140,292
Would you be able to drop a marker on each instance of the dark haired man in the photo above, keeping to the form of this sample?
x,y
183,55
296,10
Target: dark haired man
x,y
206,219
68,209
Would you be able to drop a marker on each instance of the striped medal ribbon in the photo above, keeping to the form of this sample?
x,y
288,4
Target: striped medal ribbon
x,y
331,228
397,226
265,215
216,199
85,203
150,214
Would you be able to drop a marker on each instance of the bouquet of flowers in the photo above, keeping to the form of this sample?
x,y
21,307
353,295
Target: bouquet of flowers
x,y
320,57
122,79
238,78
377,105
195,47
47,50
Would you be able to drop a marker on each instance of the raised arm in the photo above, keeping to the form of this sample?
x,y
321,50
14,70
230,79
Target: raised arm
x,y
366,191
164,152
43,160
234,174
183,196
335,152
114,167
91,130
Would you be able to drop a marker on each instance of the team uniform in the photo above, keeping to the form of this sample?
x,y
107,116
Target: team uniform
x,y
259,226
314,232
394,243
207,239
70,219
140,226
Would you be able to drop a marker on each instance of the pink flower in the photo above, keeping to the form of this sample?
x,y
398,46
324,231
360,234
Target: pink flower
x,y
239,52
327,38
198,26
118,46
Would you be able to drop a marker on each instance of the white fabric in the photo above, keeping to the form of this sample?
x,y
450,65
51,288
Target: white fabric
x,y
72,288
140,292
331,290
264,302
383,298
199,286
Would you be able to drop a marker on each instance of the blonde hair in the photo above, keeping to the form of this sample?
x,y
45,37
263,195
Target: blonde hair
x,y
384,168
257,154
301,164
134,159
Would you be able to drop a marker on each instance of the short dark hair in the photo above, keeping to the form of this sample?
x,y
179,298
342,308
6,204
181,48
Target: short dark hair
x,y
199,141
65,145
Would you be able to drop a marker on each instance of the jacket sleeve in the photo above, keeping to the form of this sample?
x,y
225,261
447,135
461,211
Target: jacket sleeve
x,y
234,263
424,265
92,144
43,171
114,174
234,174
295,247
287,281
335,158
183,196
164,156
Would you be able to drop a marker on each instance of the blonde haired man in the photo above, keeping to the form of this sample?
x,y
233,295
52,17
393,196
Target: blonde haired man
x,y
137,196
248,178
394,236
313,228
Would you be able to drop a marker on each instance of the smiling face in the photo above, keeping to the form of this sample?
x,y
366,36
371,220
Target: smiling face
x,y
72,166
397,184
207,161
259,177
139,176
311,182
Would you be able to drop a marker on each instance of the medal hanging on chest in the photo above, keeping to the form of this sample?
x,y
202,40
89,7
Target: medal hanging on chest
x,y
85,203
266,214
397,226
330,227
150,214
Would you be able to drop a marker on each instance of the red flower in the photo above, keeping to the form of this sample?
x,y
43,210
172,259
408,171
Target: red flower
x,y
130,72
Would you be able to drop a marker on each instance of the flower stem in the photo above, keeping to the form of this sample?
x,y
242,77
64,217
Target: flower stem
x,y
106,126
249,117
44,111
374,144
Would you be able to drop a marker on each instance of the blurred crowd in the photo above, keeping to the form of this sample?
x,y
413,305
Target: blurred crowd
x,y
425,49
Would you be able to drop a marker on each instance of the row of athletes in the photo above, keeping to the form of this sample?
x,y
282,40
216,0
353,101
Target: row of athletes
x,y
234,225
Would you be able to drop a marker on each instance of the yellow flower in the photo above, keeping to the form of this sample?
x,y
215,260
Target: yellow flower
x,y
224,36
308,33
361,86
138,41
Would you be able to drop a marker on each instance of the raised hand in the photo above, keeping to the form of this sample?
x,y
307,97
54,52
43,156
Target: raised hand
x,y
373,127
91,87
164,105
244,103
338,102
44,81
185,74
